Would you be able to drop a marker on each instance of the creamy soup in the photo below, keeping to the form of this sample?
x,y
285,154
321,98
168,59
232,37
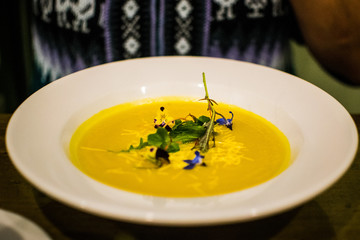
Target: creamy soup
x,y
250,153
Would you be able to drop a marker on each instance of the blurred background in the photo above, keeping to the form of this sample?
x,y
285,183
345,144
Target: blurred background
x,y
15,50
16,65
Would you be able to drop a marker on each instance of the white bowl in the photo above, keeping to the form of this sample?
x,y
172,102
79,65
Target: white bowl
x,y
322,135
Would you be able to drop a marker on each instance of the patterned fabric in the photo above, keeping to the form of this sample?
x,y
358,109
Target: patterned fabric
x,y
69,35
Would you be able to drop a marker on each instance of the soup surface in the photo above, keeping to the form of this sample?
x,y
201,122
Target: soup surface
x,y
253,152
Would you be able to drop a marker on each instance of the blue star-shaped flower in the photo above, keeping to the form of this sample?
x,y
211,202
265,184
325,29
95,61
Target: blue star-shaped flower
x,y
196,161
227,122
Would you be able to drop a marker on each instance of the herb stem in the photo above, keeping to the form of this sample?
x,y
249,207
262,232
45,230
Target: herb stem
x,y
205,86
204,141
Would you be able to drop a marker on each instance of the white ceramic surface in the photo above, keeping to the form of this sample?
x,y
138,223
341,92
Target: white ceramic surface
x,y
16,227
322,135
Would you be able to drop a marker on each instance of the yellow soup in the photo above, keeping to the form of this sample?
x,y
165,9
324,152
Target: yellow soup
x,y
253,152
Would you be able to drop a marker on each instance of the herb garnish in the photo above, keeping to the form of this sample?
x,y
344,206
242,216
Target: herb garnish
x,y
170,133
141,145
204,140
162,139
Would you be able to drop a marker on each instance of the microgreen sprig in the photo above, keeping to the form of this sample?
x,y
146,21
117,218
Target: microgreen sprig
x,y
204,140
200,130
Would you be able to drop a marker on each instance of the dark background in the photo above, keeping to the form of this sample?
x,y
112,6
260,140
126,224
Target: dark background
x,y
16,62
15,53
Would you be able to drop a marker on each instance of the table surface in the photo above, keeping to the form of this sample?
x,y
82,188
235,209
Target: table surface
x,y
335,214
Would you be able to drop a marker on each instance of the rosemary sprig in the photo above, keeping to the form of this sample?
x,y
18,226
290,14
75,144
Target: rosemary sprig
x,y
200,130
204,140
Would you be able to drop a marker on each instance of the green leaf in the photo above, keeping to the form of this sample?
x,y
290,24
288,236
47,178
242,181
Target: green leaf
x,y
203,119
173,147
178,122
188,131
159,139
141,145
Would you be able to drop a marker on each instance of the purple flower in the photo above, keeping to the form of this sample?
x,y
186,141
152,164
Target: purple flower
x,y
163,119
227,122
196,161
